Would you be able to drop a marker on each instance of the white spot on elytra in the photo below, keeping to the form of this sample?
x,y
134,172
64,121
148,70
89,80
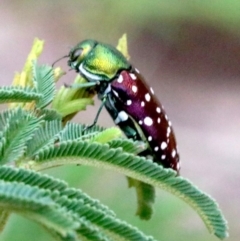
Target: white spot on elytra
x,y
137,70
134,88
158,120
122,116
170,123
152,91
120,79
168,131
156,148
149,138
174,153
163,145
158,109
142,104
148,121
147,97
163,157
166,117
140,122
133,76
129,102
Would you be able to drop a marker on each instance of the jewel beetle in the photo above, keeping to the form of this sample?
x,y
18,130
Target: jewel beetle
x,y
131,103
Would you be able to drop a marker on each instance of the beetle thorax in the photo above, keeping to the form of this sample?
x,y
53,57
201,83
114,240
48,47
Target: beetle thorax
x,y
103,62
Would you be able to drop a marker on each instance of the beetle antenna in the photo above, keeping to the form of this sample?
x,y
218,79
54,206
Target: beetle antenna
x,y
59,60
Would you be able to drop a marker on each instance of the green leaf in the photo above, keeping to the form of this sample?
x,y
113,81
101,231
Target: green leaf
x,y
93,130
59,237
128,145
66,94
18,94
68,101
44,181
43,78
47,196
74,106
145,198
73,193
73,131
37,205
44,136
90,232
94,154
49,114
107,135
145,192
18,127
28,177
113,227
3,218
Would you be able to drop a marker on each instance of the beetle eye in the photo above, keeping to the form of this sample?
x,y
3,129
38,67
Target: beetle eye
x,y
76,54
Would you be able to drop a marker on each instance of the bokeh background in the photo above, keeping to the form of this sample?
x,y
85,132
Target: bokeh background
x,y
189,51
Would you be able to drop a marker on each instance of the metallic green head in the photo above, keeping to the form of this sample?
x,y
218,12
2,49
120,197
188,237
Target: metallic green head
x,y
97,61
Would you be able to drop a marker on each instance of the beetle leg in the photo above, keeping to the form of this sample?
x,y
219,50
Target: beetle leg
x,y
97,115
81,85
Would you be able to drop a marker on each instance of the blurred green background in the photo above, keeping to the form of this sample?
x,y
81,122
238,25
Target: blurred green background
x,y
189,51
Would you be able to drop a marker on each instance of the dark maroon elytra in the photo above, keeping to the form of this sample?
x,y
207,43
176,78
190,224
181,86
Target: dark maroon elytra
x,y
140,103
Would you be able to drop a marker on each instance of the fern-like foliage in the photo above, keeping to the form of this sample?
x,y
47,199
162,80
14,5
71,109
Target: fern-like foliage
x,y
128,145
18,94
66,212
49,114
36,136
43,80
43,137
95,154
18,126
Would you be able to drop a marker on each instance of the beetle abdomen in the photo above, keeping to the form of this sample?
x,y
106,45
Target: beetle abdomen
x,y
138,101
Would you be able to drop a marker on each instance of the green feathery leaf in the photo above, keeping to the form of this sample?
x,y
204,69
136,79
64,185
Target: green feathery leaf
x,y
145,192
37,205
59,237
28,177
73,131
49,114
43,78
95,129
94,154
18,129
113,227
90,219
44,136
18,94
44,181
128,145
90,232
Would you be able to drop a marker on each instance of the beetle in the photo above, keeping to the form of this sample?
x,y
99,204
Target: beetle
x,y
131,103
